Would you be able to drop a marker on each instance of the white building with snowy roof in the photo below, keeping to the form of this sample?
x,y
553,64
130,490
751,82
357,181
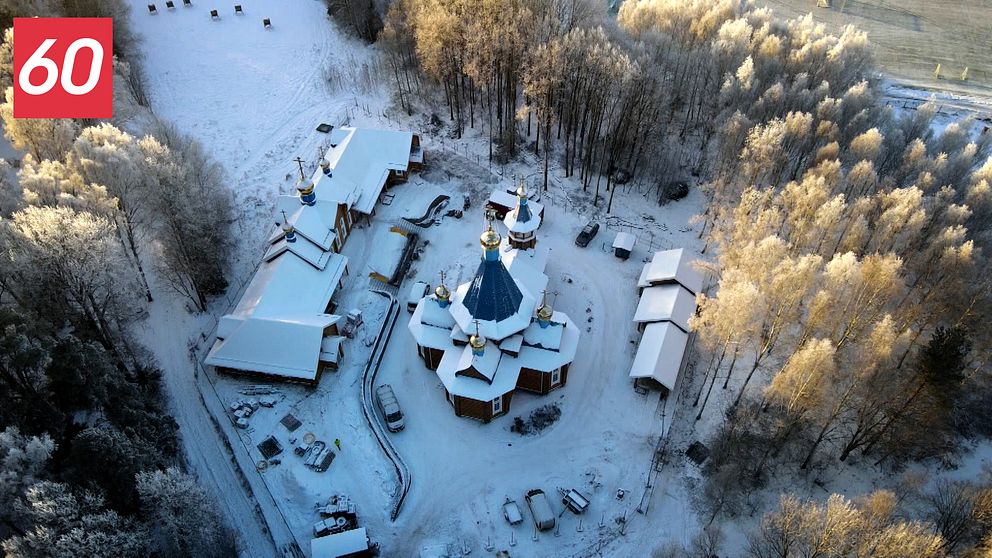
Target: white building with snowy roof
x,y
284,325
668,286
671,267
496,334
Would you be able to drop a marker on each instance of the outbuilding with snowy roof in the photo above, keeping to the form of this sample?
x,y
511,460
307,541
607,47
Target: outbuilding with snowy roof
x,y
668,267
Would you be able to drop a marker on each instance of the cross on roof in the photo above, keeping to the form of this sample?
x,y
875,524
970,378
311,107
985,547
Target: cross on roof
x,y
544,296
299,162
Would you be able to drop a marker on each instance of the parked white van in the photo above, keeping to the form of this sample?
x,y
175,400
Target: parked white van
x,y
390,407
418,291
540,508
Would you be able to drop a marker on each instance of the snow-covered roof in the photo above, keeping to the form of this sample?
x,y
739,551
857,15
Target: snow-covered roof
x,y
431,325
340,544
314,223
512,343
525,217
671,265
434,315
545,337
660,354
360,160
527,267
546,360
285,348
503,198
291,286
278,324
624,241
485,364
666,303
503,380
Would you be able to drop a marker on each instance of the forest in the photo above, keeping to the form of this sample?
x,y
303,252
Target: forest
x,y
847,242
96,220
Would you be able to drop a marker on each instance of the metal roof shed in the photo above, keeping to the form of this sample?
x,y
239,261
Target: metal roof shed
x,y
623,244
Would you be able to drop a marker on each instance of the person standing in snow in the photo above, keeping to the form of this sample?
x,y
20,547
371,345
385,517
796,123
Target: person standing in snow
x,y
337,442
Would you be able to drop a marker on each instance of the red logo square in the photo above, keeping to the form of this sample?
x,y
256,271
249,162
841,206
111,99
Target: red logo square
x,y
63,67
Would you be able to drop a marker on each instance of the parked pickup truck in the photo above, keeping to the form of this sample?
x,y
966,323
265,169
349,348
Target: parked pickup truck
x,y
390,407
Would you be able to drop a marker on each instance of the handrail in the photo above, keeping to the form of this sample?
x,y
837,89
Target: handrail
x,y
371,417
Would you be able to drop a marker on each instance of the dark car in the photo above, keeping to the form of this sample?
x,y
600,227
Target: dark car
x,y
586,235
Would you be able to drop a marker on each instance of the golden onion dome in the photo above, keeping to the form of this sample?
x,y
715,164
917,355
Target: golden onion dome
x,y
521,191
442,292
544,312
490,239
477,341
305,188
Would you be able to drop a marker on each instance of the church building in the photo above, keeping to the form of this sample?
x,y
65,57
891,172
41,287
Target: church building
x,y
497,333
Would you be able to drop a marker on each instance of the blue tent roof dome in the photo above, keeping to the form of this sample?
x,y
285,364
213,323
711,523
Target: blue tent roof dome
x,y
492,295
523,212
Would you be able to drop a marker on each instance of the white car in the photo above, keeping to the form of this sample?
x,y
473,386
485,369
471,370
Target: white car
x,y
390,407
418,291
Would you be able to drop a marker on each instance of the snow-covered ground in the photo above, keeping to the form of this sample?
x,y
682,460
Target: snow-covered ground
x,y
254,97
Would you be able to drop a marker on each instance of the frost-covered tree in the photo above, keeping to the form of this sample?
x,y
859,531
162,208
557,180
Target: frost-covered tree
x,y
64,525
106,459
10,190
45,138
195,210
63,260
7,59
180,518
22,462
23,362
106,156
867,529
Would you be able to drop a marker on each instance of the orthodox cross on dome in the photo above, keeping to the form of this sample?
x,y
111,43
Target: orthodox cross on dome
x,y
490,215
288,231
299,162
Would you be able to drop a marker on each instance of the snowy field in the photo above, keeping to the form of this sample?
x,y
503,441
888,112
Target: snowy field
x,y
254,97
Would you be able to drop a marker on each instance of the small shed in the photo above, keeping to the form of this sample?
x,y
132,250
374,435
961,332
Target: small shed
x,y
623,244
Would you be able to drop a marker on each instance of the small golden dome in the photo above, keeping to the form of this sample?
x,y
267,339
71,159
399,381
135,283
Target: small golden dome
x,y
521,190
477,341
442,292
490,239
305,188
544,312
